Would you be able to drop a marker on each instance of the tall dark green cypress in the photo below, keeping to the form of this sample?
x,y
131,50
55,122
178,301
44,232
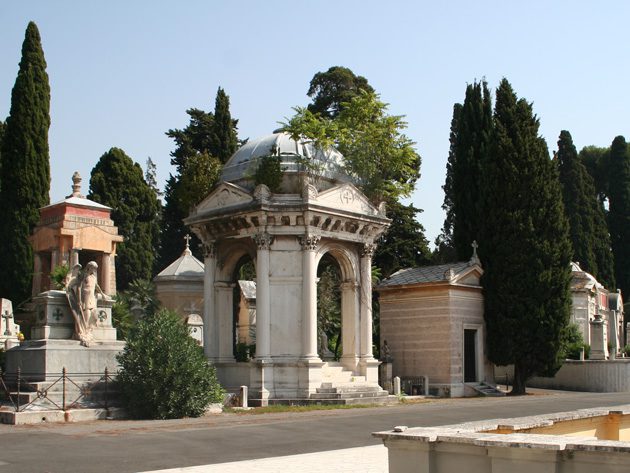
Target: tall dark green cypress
x,y
525,248
619,212
25,170
118,182
206,133
587,221
470,143
225,140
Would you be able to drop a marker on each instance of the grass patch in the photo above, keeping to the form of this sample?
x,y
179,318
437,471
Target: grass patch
x,y
283,408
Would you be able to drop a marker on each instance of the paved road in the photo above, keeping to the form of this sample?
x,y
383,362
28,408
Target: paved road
x,y
132,446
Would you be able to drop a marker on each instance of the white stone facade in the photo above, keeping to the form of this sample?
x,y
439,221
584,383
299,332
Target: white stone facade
x,y
285,235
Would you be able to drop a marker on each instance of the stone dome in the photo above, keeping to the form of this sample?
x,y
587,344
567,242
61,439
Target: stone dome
x,y
241,166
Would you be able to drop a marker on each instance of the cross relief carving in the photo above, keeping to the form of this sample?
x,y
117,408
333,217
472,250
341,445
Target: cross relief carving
x,y
7,322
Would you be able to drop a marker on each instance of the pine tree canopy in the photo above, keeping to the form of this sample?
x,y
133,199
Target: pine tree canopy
x,y
587,220
619,212
25,169
525,247
331,89
118,182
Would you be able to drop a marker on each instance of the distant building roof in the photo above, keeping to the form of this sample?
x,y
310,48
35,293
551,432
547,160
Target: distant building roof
x,y
580,279
427,274
184,267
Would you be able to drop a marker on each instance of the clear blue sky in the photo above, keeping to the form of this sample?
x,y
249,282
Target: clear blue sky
x,y
123,72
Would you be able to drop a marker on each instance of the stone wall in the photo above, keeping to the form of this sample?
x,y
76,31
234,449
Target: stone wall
x,y
589,375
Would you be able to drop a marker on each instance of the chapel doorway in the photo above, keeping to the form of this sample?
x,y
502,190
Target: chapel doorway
x,y
470,355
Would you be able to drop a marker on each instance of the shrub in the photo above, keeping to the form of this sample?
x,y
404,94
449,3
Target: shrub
x,y
163,372
269,172
626,350
574,343
58,276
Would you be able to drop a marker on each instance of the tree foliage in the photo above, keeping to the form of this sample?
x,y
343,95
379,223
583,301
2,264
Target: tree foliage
x,y
587,221
163,371
376,151
201,148
619,212
330,90
470,141
25,169
597,163
525,247
118,182
404,244
224,140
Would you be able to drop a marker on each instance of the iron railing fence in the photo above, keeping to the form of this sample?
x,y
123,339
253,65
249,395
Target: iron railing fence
x,y
61,391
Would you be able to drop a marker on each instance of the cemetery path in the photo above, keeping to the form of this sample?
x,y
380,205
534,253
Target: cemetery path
x,y
136,446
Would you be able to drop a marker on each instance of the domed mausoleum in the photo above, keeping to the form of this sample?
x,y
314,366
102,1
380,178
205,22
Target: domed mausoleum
x,y
317,212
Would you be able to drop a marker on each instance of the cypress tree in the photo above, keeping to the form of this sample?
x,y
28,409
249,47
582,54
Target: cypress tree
x,y
25,170
525,247
225,140
587,221
619,212
118,182
196,138
404,244
471,135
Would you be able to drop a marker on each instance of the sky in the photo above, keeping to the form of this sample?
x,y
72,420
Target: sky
x,y
122,73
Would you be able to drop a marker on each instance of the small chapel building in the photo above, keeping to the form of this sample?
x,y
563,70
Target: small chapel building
x,y
73,231
316,211
432,320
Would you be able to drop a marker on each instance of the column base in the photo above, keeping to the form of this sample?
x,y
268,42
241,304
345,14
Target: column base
x,y
368,367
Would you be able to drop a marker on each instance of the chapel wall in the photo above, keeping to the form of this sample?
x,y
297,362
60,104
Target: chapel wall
x,y
415,323
466,312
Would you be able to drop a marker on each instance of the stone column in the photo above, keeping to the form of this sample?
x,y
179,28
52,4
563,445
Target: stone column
x,y
263,316
106,273
210,332
599,346
224,313
37,274
349,324
309,297
74,257
366,301
54,259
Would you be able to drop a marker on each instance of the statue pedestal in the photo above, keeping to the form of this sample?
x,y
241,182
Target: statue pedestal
x,y
54,319
52,348
41,360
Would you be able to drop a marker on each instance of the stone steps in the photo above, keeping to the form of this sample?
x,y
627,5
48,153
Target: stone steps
x,y
487,390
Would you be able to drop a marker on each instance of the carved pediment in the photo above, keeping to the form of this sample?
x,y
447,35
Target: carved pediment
x,y
470,276
347,197
223,196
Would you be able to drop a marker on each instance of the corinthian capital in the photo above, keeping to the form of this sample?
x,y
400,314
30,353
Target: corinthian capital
x,y
368,250
209,250
309,241
263,240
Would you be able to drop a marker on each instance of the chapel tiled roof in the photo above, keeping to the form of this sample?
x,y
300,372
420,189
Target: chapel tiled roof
x,y
425,274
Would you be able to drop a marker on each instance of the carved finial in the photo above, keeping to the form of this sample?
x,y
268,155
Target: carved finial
x,y
76,185
187,251
474,259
